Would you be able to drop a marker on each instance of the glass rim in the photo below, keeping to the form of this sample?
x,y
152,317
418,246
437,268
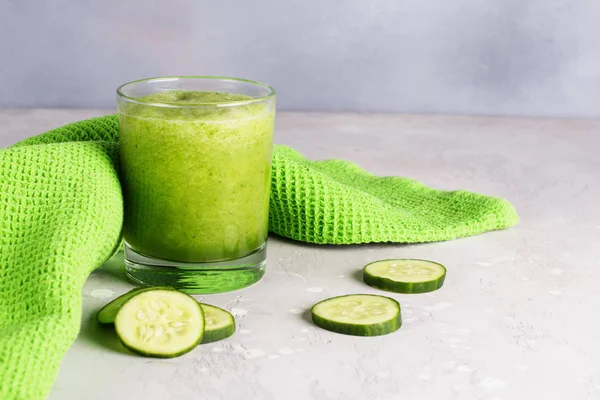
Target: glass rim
x,y
228,103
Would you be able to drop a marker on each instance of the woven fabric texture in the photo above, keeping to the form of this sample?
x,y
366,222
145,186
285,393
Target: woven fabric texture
x,y
61,215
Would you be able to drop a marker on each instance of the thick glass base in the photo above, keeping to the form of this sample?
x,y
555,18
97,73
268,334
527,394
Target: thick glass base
x,y
196,278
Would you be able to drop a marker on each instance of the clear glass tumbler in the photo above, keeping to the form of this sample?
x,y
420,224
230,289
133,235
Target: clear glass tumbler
x,y
195,169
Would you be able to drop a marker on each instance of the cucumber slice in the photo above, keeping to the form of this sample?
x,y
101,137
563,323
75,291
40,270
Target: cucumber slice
x,y
107,314
358,315
160,323
218,323
405,275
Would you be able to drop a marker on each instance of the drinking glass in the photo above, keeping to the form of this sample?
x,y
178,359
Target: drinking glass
x,y
195,154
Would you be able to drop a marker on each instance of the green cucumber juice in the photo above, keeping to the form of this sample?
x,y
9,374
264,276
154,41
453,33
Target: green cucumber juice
x,y
195,176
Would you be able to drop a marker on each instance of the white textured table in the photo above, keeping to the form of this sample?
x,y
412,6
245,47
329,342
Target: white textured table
x,y
516,319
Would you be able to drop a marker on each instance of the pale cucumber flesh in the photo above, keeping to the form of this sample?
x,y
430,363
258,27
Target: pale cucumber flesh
x,y
405,275
219,324
359,315
160,323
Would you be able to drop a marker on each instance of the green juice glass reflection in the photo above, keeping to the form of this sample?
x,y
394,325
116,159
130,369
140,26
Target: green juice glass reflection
x,y
195,170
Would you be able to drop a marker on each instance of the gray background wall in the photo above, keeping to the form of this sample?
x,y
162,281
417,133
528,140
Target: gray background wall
x,y
502,57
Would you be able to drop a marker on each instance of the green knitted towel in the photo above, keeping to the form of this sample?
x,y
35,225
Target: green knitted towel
x,y
61,215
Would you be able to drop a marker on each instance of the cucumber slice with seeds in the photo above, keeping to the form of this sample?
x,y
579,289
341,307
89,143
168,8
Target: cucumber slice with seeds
x,y
160,323
405,275
219,324
358,315
107,314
